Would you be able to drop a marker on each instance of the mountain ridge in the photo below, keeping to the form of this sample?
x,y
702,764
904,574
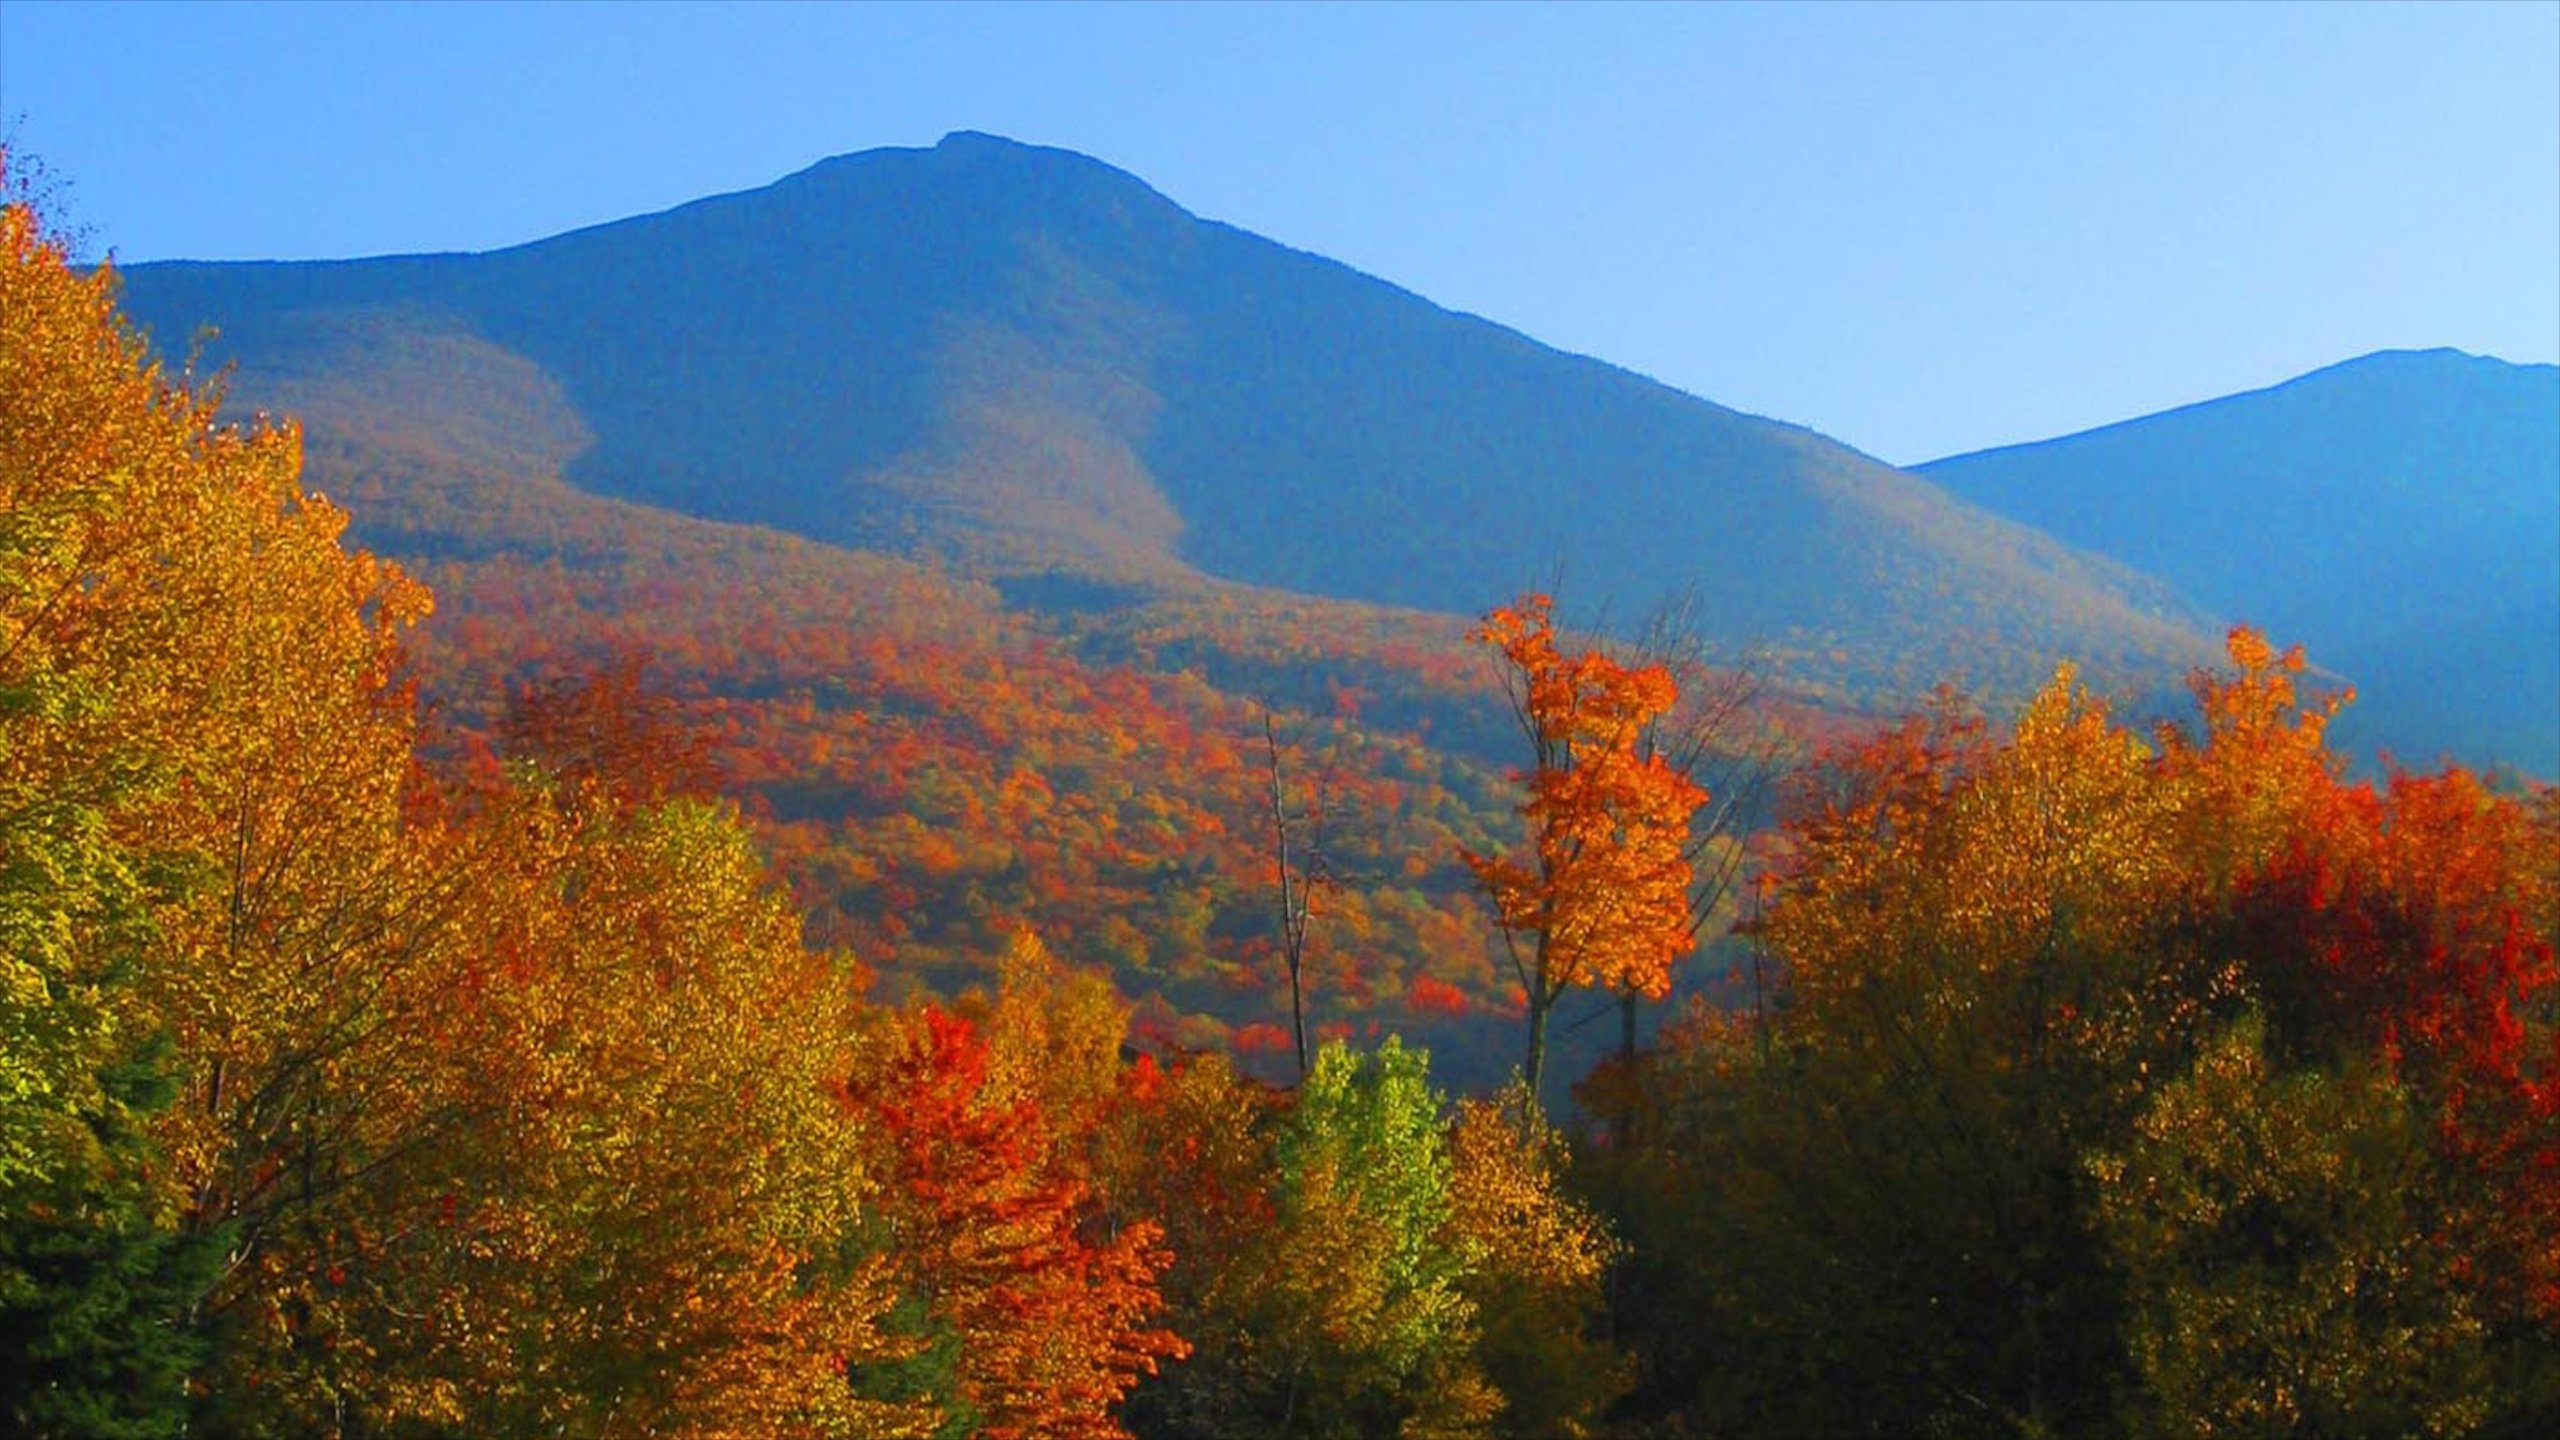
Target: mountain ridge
x,y
1026,360
2399,513
2388,353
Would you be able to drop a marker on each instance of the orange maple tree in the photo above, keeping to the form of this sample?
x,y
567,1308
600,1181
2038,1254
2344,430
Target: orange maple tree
x,y
1603,892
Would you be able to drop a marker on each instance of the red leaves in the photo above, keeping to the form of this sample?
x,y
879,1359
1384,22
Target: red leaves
x,y
990,1216
1261,1037
1428,996
2401,921
609,731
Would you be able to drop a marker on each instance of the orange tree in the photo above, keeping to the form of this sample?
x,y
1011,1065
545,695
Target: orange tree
x,y
1601,893
1030,1304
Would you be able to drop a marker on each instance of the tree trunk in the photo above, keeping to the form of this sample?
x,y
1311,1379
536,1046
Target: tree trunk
x,y
1296,899
1298,1020
1540,1002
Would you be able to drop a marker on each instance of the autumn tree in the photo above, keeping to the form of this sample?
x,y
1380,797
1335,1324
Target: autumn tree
x,y
1535,1261
1359,1323
1188,1147
1718,735
1031,1323
1322,1255
1601,896
2405,927
608,728
2274,1229
1302,870
202,734
2103,1072
1970,1002
493,1113
654,1224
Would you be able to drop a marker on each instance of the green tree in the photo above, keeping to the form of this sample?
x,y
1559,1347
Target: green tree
x,y
1364,1322
93,1285
1333,1304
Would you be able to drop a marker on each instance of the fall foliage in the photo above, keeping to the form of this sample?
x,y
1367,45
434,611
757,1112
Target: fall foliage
x,y
659,1046
349,1096
1602,894
2171,1084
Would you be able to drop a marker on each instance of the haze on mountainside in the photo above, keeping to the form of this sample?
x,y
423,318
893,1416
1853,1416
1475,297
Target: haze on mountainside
x,y
2399,514
1031,361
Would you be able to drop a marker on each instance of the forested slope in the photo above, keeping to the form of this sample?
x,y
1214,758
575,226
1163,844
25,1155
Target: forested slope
x,y
365,1073
1024,360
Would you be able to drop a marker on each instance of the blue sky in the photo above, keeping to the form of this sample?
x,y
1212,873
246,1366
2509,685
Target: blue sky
x,y
1921,229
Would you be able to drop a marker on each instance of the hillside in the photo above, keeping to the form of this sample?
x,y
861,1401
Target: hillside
x,y
1026,361
982,499
480,1068
932,771
2399,514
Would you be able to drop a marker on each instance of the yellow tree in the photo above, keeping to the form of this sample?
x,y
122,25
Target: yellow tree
x,y
1601,893
2282,1271
1864,1216
655,1226
1972,1000
90,1273
203,752
516,1113
1536,1260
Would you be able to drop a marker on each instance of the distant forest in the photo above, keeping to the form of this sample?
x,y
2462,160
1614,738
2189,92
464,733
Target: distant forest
x,y
542,1061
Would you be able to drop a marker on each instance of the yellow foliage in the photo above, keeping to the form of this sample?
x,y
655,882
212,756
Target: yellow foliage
x,y
1535,1262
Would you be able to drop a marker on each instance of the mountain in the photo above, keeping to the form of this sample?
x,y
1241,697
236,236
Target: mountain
x,y
1030,363
2397,514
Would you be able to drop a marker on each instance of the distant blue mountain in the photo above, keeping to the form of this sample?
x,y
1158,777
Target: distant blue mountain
x,y
2398,514
1028,362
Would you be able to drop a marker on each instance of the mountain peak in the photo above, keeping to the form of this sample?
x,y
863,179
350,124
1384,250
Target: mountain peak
x,y
974,173
962,142
1028,358
2439,360
2394,512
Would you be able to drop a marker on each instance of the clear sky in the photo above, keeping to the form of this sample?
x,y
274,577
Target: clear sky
x,y
1921,229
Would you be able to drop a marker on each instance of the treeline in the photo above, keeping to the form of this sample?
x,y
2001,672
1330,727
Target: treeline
x,y
353,1091
2086,1082
2111,1084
